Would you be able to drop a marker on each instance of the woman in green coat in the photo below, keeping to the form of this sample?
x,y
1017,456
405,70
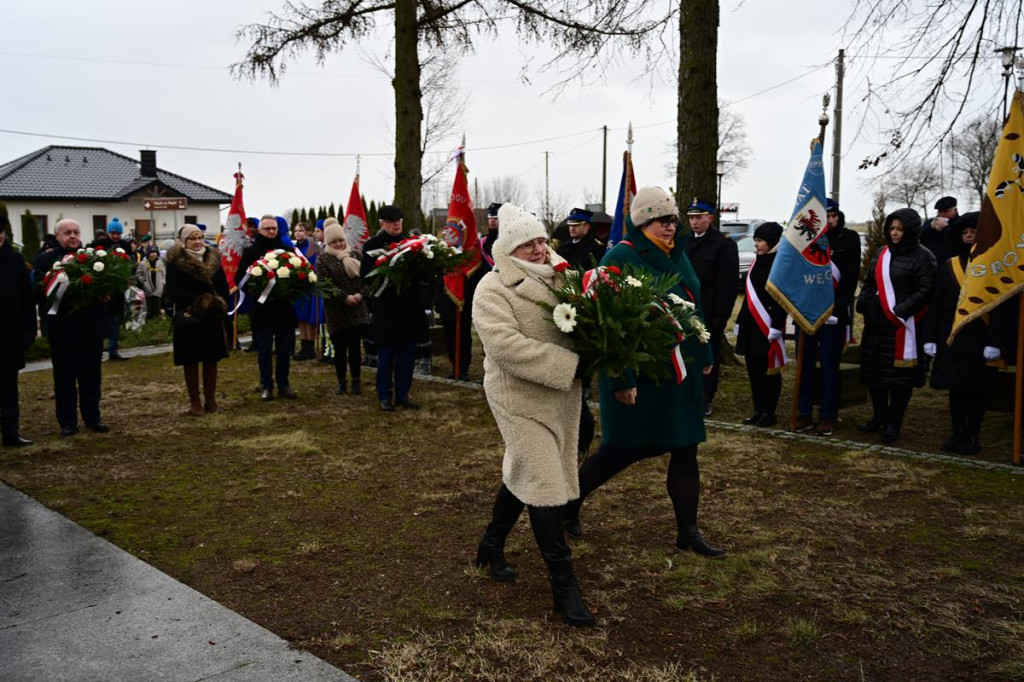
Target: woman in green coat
x,y
640,416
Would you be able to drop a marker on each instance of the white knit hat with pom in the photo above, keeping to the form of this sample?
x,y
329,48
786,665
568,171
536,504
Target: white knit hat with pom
x,y
518,226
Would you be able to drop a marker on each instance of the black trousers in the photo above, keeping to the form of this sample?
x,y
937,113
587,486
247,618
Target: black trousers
x,y
711,380
967,411
448,323
764,387
682,480
347,352
76,379
9,413
890,404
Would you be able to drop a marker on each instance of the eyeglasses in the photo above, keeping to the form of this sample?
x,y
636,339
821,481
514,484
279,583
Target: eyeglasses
x,y
533,244
667,220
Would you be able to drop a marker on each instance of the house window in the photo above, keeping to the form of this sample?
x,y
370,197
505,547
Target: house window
x,y
192,219
43,223
99,222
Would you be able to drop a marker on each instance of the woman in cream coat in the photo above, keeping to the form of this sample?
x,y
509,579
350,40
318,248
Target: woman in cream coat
x,y
532,387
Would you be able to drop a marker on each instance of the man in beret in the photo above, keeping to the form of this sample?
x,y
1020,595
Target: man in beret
x,y
487,241
934,235
716,261
825,346
581,250
398,319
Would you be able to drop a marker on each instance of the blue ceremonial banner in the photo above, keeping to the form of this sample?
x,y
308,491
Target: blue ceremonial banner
x,y
801,276
627,190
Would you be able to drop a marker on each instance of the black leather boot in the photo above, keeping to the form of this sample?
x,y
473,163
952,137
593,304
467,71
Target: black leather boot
x,y
891,433
490,551
690,538
357,388
565,591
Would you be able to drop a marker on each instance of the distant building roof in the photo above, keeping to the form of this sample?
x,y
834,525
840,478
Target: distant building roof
x,y
92,173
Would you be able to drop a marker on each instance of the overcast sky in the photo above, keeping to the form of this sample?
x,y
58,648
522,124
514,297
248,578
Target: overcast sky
x,y
156,74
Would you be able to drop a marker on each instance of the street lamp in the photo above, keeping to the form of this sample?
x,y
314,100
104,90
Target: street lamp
x,y
720,170
1006,56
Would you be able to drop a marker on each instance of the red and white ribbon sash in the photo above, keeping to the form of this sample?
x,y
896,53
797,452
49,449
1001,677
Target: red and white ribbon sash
x,y
596,276
776,349
906,330
677,352
58,284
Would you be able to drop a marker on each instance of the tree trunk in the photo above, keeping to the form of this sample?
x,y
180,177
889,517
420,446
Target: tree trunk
x,y
697,124
408,114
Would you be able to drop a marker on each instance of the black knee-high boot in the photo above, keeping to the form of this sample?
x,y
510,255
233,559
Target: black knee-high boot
x,y
547,529
491,549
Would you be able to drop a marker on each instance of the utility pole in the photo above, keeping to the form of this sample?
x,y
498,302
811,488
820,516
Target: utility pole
x,y
604,172
837,127
547,191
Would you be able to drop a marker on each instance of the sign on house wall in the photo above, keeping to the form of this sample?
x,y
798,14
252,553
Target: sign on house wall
x,y
165,204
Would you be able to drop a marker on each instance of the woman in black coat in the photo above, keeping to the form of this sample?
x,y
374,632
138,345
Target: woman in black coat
x,y
893,298
273,322
17,332
963,367
347,316
199,290
759,340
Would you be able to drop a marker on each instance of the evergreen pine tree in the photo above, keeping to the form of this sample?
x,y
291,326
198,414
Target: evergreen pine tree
x,y
29,236
311,216
330,211
5,223
295,215
302,216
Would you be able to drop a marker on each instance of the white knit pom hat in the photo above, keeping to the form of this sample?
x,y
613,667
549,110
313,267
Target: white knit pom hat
x,y
518,226
333,230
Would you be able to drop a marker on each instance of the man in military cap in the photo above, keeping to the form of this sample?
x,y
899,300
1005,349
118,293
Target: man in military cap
x,y
487,241
716,260
581,250
934,236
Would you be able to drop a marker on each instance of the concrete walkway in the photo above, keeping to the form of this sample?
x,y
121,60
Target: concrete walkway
x,y
75,607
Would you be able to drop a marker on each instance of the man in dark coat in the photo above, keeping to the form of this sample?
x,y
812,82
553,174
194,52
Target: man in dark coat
x,y
582,250
17,332
487,241
399,319
716,260
76,344
935,235
826,345
273,322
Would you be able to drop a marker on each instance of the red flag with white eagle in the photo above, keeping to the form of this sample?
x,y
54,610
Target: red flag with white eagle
x,y
356,230
460,232
233,239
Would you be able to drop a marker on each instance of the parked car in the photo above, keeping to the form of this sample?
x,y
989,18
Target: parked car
x,y
738,229
747,255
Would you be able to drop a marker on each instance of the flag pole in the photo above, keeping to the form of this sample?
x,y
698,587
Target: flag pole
x,y
629,180
234,318
801,335
1019,381
456,370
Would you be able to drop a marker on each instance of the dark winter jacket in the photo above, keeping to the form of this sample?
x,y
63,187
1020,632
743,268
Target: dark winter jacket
x,y
275,313
716,261
960,366
584,254
397,318
939,242
341,315
845,247
199,291
750,342
17,309
913,276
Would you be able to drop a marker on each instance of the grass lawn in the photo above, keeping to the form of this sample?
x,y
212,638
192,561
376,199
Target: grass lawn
x,y
351,533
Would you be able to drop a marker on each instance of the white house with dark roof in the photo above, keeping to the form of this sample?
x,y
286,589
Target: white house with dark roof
x,y
93,185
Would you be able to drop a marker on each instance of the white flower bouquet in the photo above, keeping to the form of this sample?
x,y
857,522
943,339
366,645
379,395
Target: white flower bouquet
x,y
279,274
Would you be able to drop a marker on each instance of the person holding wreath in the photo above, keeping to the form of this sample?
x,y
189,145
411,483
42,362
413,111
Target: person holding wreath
x,y
532,386
199,290
640,416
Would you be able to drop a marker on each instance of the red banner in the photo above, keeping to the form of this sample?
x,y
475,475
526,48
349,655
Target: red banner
x,y
356,229
233,240
460,232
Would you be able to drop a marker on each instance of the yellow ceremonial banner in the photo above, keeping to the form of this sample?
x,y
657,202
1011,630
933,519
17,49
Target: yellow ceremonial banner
x,y
995,270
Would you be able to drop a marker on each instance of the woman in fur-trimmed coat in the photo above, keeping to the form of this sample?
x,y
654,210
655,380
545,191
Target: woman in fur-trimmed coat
x,y
531,383
199,290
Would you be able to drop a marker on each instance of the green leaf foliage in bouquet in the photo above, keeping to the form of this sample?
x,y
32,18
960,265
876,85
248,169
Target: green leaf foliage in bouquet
x,y
88,276
423,257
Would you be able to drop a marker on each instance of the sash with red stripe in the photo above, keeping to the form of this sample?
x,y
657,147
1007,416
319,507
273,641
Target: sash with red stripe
x,y
776,349
906,330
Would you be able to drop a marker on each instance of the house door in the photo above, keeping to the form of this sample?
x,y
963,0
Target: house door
x,y
141,228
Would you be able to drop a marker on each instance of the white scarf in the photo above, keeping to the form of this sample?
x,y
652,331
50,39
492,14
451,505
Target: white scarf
x,y
196,253
542,272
